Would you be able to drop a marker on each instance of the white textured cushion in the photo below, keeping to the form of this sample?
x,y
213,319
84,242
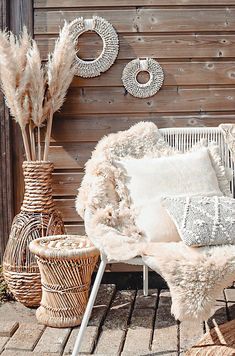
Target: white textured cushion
x,y
149,179
155,223
224,175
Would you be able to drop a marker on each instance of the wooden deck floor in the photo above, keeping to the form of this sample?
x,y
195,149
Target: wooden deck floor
x,y
122,323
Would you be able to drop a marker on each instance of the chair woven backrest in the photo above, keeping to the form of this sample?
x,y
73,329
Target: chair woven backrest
x,y
183,138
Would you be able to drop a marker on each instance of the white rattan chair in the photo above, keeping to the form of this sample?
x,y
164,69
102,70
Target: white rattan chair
x,y
182,139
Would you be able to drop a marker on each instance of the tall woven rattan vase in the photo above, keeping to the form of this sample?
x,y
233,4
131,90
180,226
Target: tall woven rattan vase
x,y
38,218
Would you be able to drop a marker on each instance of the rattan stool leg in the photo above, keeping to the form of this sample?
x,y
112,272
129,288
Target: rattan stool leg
x,y
145,280
89,307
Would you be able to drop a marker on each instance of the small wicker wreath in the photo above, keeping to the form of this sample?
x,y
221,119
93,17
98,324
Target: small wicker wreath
x,y
132,69
89,69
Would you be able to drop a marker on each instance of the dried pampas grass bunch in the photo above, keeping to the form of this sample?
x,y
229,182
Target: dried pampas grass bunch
x,y
33,92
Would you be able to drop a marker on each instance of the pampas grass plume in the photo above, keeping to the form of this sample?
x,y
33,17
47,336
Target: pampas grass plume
x,y
60,71
33,92
61,67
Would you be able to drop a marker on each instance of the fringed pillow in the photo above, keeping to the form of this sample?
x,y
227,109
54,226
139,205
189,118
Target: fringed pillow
x,y
203,221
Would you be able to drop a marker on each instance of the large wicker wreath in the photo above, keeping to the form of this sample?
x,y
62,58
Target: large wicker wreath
x,y
89,69
145,90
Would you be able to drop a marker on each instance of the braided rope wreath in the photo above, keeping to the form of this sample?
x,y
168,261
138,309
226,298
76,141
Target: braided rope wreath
x,y
145,90
89,69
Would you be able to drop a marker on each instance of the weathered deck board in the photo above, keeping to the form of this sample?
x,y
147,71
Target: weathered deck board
x,y
139,334
16,312
101,306
142,320
8,328
26,337
123,323
165,329
116,323
190,333
53,341
143,302
88,343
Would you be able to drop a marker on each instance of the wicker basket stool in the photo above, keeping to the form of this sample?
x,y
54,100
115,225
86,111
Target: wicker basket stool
x,y
218,341
66,264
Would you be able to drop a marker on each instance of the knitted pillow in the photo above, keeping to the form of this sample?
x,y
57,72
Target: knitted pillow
x,y
203,221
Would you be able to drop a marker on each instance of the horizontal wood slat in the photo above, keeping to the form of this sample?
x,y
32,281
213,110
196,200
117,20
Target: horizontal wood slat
x,y
176,73
94,127
68,211
66,183
71,155
125,3
164,46
145,20
76,229
116,100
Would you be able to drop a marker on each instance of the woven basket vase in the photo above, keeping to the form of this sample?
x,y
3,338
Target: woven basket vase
x,y
38,218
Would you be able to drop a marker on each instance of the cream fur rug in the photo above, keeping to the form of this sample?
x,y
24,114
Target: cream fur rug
x,y
195,276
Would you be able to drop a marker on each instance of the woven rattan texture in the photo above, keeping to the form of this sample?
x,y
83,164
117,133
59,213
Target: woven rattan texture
x,y
37,218
218,341
65,281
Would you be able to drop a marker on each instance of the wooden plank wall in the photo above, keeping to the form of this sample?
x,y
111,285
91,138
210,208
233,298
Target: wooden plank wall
x,y
6,193
13,15
194,41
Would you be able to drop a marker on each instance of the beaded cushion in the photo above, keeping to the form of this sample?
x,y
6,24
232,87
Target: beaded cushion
x,y
203,221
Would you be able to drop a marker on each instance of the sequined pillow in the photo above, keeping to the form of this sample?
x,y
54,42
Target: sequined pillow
x,y
203,221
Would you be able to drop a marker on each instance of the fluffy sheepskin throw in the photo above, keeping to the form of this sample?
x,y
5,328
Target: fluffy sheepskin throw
x,y
195,276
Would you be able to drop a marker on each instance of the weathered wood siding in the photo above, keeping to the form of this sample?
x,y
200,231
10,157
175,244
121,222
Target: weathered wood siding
x,y
13,15
6,211
194,41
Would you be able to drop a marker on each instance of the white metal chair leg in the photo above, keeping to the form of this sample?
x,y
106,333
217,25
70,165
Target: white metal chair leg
x,y
89,307
145,280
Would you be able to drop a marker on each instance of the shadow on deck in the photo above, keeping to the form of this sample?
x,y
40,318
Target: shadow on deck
x,y
123,322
